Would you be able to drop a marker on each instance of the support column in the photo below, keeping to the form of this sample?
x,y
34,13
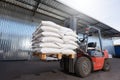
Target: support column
x,y
73,23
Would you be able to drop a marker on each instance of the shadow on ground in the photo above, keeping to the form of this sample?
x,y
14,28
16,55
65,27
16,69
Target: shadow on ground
x,y
35,70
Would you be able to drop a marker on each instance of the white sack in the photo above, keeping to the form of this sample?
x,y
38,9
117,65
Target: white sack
x,y
64,29
71,42
51,24
67,51
46,29
68,38
48,50
47,45
67,32
47,34
68,46
71,34
51,39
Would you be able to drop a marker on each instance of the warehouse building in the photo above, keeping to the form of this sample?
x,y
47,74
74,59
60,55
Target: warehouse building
x,y
19,19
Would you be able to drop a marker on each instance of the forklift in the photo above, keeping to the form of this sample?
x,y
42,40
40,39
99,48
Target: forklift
x,y
88,58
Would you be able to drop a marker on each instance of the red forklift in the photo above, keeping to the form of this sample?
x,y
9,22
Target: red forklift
x,y
88,58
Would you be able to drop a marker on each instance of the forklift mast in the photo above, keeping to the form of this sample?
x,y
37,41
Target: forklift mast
x,y
72,23
86,36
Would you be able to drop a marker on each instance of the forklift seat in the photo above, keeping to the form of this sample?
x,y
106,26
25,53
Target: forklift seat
x,y
92,44
92,50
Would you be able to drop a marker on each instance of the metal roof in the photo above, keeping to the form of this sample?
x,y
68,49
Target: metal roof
x,y
59,11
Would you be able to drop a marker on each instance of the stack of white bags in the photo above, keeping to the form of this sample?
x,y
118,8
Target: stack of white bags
x,y
52,38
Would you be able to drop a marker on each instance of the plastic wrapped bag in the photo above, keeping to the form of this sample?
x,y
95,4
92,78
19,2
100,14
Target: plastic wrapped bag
x,y
51,24
50,39
48,50
67,51
47,34
47,45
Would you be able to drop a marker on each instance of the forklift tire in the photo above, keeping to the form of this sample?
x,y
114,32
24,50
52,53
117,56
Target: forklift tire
x,y
83,67
106,66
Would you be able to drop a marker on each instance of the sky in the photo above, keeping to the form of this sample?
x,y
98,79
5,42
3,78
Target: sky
x,y
106,11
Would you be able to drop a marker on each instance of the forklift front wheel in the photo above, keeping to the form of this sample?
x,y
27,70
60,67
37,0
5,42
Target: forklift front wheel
x,y
106,66
83,67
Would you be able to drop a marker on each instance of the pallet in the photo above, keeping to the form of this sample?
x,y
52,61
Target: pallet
x,y
43,56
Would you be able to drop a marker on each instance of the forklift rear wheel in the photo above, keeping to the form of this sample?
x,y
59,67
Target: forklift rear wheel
x,y
83,67
106,66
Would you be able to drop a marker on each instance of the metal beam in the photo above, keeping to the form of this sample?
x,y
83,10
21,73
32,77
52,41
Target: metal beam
x,y
54,7
95,24
28,9
90,23
25,2
83,20
114,35
52,13
39,8
104,30
36,6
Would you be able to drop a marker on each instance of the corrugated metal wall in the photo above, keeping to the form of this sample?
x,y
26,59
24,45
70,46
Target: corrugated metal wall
x,y
15,39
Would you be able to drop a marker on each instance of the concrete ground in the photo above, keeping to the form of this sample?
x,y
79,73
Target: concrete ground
x,y
36,70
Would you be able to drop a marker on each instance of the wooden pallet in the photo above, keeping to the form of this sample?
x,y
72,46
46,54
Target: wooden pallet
x,y
43,56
